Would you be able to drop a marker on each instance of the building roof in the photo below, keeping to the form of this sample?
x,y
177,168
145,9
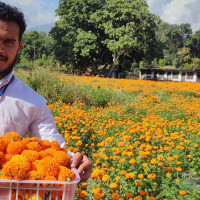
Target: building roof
x,y
167,68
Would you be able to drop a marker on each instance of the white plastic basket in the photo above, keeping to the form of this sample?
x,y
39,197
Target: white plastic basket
x,y
38,189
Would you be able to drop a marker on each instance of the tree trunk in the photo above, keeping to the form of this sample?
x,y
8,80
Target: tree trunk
x,y
112,66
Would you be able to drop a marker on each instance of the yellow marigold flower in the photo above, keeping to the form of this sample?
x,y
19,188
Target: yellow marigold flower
x,y
115,196
48,166
34,197
140,176
62,158
168,175
113,185
132,161
153,161
182,192
66,174
31,155
96,190
106,178
179,169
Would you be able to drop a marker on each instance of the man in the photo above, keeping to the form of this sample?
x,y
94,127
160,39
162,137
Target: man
x,y
21,108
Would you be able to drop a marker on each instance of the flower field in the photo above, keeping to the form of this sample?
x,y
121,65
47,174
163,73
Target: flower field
x,y
148,148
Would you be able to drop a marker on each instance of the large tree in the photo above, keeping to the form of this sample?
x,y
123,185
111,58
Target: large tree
x,y
100,32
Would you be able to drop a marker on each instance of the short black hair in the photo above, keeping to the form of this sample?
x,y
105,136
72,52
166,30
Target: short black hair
x,y
12,14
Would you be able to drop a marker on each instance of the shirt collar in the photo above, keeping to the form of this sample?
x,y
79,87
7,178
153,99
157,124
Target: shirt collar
x,y
6,79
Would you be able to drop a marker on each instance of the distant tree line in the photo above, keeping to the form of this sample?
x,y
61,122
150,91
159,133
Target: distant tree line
x,y
98,36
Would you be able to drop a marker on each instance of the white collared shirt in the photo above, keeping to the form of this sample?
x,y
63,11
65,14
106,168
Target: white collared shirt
x,y
22,110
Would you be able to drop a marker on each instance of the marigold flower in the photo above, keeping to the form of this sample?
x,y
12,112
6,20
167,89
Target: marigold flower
x,y
138,183
137,198
96,189
83,194
31,155
48,166
179,169
11,136
65,174
129,195
153,161
140,176
132,161
98,195
151,198
115,196
16,168
168,175
62,158
2,145
106,178
55,145
34,175
34,146
113,186
182,192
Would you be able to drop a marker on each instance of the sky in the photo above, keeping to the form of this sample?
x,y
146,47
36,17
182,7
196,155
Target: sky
x,y
39,12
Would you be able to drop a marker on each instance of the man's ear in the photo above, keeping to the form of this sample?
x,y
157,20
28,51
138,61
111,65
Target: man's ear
x,y
20,46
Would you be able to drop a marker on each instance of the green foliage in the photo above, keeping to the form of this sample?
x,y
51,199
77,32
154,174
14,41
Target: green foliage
x,y
162,62
68,92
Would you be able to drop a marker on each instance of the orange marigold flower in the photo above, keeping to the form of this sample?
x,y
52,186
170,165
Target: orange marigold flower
x,y
15,147
48,166
2,145
99,195
137,198
129,195
65,174
55,145
12,136
46,144
151,198
83,194
182,192
35,146
17,167
31,155
115,196
50,178
138,183
26,140
62,158
34,175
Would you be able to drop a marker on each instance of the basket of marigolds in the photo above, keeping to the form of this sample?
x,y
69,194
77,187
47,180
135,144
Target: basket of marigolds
x,y
35,169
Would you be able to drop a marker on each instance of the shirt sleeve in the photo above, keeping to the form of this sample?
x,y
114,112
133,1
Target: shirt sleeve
x,y
43,126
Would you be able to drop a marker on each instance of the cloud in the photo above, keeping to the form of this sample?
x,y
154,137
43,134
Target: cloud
x,y
36,12
177,11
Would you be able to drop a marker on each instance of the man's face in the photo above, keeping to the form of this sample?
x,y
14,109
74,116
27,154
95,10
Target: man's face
x,y
9,46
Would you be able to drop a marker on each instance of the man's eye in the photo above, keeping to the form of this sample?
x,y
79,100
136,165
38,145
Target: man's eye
x,y
10,42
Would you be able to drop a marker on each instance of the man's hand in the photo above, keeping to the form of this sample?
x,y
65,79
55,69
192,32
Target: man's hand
x,y
83,164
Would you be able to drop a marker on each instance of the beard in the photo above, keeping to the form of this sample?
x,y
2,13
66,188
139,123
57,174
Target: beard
x,y
9,69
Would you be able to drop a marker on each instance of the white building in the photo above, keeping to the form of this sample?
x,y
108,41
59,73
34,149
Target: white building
x,y
170,74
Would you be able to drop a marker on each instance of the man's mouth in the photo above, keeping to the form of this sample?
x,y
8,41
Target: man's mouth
x,y
3,58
